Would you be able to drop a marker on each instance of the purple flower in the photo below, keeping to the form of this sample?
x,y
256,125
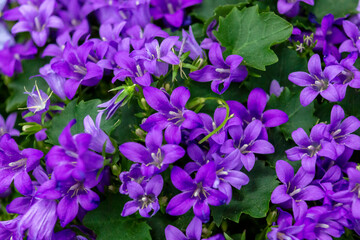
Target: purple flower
x,y
172,113
275,88
15,165
133,175
131,68
285,229
158,57
9,229
193,231
339,130
76,68
73,159
220,72
189,44
37,21
309,148
197,193
291,7
139,36
144,198
38,101
352,44
41,135
154,158
6,39
55,81
99,137
245,143
295,189
255,110
8,125
328,35
11,56
318,81
171,10
39,220
113,104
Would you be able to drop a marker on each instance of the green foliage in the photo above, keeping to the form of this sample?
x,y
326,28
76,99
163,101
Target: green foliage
x,y
107,223
20,81
207,8
339,8
299,116
250,35
252,199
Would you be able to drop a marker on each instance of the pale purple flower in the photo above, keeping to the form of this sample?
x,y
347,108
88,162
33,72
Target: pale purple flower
x,y
275,88
317,82
8,125
144,198
221,73
193,231
352,44
38,101
196,193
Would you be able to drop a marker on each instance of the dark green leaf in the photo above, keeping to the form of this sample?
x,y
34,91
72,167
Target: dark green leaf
x,y
250,35
106,221
253,199
299,116
339,8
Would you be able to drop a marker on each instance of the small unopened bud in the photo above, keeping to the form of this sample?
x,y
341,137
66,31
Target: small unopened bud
x,y
271,217
116,170
167,86
144,104
140,133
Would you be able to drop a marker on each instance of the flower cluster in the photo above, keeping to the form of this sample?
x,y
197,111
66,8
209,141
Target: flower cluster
x,y
322,201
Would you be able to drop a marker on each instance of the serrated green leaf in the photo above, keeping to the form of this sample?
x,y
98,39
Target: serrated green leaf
x,y
107,223
289,62
339,8
206,9
299,116
250,35
253,199
30,68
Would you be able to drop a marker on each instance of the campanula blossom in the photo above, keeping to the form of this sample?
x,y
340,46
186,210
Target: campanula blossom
x,y
193,231
15,165
197,193
221,73
291,7
352,44
317,82
309,148
5,36
295,189
37,21
139,36
144,198
155,157
38,101
245,142
171,10
99,137
7,126
275,88
285,228
172,113
133,175
189,44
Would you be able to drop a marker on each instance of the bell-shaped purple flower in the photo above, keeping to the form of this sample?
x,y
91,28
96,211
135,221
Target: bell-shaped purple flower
x,y
37,21
99,137
73,159
171,10
15,165
139,36
133,175
197,193
172,113
246,143
220,72
352,44
154,158
193,231
189,44
144,198
309,148
318,81
8,125
38,101
285,229
339,130
291,7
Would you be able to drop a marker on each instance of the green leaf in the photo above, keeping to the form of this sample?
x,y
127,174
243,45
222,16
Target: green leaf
x,y
250,35
289,62
339,8
79,112
16,86
253,199
107,223
299,116
206,9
